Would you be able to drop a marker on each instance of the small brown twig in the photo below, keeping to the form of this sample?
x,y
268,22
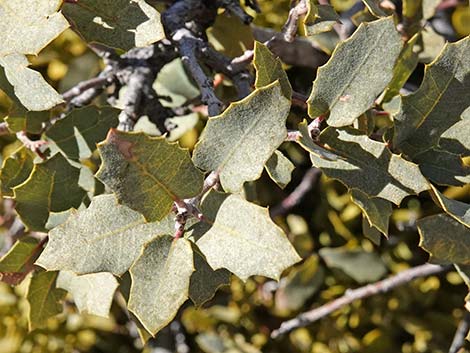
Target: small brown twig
x,y
350,296
34,146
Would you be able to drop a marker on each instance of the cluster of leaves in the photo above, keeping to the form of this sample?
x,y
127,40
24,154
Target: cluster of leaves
x,y
107,198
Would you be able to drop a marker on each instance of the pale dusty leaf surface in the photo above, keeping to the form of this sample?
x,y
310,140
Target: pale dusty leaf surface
x,y
256,123
160,281
280,169
105,237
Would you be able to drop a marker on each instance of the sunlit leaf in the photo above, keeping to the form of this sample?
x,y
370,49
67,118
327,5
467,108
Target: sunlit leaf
x,y
243,239
122,24
319,18
15,170
376,210
105,237
160,281
256,123
343,87
147,173
280,169
460,211
92,293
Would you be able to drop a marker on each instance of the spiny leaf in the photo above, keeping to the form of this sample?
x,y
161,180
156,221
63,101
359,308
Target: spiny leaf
x,y
18,261
256,123
26,28
457,138
360,265
93,293
375,8
303,281
369,166
29,121
44,298
160,281
370,232
51,187
122,24
447,240
105,237
205,281
442,167
319,18
90,123
146,173
310,146
458,210
243,239
343,86
269,69
406,64
439,102
280,169
376,210
15,170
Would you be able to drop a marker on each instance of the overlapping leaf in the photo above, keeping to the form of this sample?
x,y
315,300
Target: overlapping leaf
x,y
320,18
243,239
343,87
18,261
15,170
438,104
90,124
458,210
269,69
368,165
122,24
256,123
280,169
160,281
376,210
147,173
105,237
51,187
446,239
45,300
205,281
26,28
92,293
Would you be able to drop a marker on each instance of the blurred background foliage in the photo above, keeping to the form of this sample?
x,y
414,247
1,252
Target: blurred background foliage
x,y
326,229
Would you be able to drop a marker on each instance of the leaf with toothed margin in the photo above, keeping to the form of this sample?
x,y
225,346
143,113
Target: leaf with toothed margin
x,y
227,145
376,210
45,300
147,173
25,29
280,169
269,69
446,239
121,24
375,8
90,124
368,166
18,261
458,210
205,281
160,281
242,238
319,18
105,237
93,293
343,87
51,187
15,170
438,104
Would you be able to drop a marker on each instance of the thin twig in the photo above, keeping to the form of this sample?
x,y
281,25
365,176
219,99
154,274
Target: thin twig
x,y
34,146
350,296
307,183
86,85
461,333
4,129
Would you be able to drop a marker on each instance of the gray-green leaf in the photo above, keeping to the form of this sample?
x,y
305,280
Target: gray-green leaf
x,y
256,123
280,169
343,86
160,281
